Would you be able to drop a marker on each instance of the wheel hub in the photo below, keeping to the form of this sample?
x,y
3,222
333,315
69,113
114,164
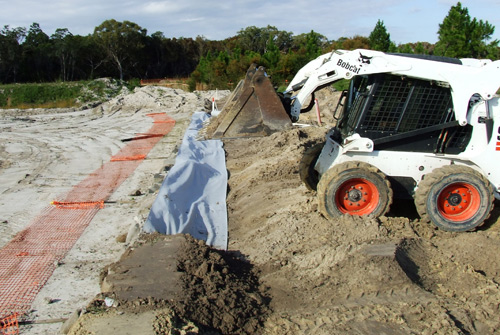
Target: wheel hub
x,y
458,201
355,195
455,199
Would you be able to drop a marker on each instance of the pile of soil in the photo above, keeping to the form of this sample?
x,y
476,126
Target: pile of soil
x,y
183,285
219,291
354,275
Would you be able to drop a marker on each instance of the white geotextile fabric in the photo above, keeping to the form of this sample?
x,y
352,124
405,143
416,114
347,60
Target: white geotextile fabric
x,y
192,198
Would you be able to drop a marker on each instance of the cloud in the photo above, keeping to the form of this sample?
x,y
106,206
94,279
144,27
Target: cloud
x,y
406,20
193,19
159,7
415,10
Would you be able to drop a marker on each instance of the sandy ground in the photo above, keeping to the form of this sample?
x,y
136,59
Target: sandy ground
x,y
298,272
44,153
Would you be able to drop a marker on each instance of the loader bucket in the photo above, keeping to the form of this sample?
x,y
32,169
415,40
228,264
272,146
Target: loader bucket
x,y
253,109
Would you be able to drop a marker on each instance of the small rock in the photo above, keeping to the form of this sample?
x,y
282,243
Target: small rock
x,y
136,193
133,232
109,302
121,238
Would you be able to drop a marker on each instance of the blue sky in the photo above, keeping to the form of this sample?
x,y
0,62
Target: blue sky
x,y
405,20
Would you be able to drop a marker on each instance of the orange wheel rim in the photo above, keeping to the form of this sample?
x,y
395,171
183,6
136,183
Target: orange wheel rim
x,y
458,202
357,196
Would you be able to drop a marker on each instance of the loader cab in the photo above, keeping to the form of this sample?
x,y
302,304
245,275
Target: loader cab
x,y
402,114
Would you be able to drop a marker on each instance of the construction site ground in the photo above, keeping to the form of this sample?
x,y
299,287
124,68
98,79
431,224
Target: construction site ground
x,y
288,270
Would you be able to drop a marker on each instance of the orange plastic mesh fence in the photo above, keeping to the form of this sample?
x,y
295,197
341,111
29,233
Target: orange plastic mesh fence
x,y
29,259
78,205
128,158
27,262
9,325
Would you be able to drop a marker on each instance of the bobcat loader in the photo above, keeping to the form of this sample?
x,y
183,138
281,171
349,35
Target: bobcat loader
x,y
420,127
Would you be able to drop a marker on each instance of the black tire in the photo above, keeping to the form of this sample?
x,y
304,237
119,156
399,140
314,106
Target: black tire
x,y
308,175
354,188
454,198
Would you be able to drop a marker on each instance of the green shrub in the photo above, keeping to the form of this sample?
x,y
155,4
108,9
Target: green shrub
x,y
60,94
133,83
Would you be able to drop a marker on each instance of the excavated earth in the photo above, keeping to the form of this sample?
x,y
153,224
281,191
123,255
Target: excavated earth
x,y
288,270
392,275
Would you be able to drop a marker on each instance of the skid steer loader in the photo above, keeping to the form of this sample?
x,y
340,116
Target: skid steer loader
x,y
414,126
419,127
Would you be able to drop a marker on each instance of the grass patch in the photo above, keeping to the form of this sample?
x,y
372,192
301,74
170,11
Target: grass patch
x,y
60,94
37,95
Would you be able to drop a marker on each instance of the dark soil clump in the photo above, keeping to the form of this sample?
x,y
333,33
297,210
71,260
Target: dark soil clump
x,y
220,291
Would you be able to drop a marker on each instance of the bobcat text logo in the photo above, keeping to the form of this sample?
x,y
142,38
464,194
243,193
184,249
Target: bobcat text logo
x,y
364,59
348,66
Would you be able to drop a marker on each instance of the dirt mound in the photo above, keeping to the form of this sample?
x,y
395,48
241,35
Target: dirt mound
x,y
183,285
392,275
219,291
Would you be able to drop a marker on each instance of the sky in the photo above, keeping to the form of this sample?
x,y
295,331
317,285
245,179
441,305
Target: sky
x,y
406,21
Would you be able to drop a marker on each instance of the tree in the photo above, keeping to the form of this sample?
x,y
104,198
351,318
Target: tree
x,y
122,42
36,37
311,44
62,49
272,54
460,36
420,48
379,38
10,52
90,56
356,42
37,50
257,39
306,47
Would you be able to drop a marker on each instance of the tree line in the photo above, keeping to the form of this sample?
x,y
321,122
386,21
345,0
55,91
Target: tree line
x,y
124,50
121,50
